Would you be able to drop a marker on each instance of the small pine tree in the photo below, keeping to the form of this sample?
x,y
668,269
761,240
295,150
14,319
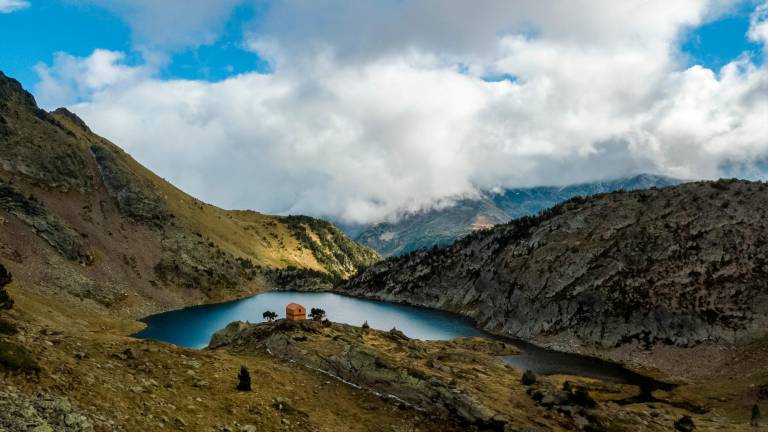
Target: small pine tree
x,y
317,314
365,325
244,378
5,278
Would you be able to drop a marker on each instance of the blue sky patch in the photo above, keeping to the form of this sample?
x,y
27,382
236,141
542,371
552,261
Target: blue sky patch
x,y
33,35
717,43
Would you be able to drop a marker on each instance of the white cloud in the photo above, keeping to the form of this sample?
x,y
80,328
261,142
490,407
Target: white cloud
x,y
71,79
461,30
8,6
172,24
758,28
364,128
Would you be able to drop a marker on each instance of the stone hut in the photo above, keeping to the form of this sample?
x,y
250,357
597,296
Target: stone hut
x,y
295,312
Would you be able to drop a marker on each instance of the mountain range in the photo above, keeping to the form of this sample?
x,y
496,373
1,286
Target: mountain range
x,y
444,225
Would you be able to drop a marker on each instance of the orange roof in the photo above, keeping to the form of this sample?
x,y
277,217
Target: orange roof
x,y
294,306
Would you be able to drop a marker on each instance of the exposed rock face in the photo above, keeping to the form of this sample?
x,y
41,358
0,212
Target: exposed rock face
x,y
190,262
62,237
680,265
136,202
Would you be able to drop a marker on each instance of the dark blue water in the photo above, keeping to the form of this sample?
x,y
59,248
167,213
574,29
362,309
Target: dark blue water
x,y
193,327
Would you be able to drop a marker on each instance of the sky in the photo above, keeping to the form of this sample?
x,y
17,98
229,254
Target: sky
x,y
363,110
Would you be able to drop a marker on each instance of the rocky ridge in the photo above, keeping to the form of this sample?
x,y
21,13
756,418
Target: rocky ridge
x,y
678,266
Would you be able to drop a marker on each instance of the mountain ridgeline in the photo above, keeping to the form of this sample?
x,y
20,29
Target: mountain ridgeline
x,y
79,216
676,266
445,225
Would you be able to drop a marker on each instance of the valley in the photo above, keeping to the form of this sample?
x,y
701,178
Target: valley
x,y
92,242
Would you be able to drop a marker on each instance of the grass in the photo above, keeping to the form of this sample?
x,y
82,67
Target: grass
x,y
7,327
15,358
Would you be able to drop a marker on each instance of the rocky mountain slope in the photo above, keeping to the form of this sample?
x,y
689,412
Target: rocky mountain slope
x,y
679,266
445,225
79,216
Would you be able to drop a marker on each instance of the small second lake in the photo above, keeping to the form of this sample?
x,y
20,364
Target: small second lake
x,y
193,327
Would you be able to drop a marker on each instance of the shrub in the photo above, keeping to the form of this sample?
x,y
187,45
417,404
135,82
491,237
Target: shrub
x,y
317,314
5,278
7,327
244,379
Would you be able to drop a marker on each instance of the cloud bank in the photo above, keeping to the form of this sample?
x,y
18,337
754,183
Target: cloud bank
x,y
371,111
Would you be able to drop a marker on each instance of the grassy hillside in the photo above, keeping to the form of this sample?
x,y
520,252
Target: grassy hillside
x,y
80,217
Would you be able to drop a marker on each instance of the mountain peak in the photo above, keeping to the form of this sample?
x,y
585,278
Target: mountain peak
x,y
73,118
11,89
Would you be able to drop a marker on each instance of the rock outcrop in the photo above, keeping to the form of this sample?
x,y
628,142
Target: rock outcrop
x,y
54,231
136,201
680,266
414,373
42,413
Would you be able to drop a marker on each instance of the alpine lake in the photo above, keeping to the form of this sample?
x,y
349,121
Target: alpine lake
x,y
192,327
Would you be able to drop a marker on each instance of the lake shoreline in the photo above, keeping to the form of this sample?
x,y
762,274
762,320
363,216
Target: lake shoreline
x,y
590,365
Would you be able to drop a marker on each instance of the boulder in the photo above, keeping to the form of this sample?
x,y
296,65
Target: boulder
x,y
580,396
529,378
685,424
